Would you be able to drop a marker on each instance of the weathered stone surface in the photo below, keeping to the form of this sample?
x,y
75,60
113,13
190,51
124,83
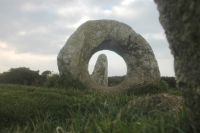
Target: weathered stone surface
x,y
163,102
181,22
100,73
96,35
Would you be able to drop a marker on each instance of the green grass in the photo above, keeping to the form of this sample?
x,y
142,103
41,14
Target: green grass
x,y
25,109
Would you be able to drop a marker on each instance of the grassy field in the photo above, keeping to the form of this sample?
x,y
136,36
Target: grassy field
x,y
25,109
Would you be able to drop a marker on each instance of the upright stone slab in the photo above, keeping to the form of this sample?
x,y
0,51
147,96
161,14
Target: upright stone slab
x,y
96,35
100,73
181,22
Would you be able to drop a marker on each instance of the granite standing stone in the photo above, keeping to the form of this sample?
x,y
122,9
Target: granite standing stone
x,y
97,35
181,22
100,73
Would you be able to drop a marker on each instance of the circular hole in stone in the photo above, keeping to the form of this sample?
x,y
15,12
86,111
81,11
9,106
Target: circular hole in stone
x,y
117,68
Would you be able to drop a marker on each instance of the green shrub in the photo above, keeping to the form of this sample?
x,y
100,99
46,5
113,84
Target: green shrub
x,y
73,83
152,88
171,81
55,81
176,92
115,80
52,81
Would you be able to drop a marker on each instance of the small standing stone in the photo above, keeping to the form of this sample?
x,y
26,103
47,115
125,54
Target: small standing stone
x,y
100,73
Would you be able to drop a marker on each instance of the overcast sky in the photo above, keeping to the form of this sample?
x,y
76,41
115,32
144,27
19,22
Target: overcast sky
x,y
32,32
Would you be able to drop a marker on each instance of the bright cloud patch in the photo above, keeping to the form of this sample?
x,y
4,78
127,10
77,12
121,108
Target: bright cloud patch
x,y
127,2
10,59
158,36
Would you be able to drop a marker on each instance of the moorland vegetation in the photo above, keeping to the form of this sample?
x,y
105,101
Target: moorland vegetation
x,y
57,105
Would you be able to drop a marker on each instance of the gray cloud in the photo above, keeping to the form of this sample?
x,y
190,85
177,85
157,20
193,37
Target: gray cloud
x,y
44,27
103,4
41,27
35,28
142,17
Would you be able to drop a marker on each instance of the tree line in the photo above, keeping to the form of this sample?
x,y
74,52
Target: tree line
x,y
25,76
